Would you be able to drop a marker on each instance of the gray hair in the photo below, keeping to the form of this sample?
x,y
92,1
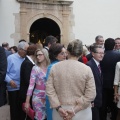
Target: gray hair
x,y
75,48
98,37
22,45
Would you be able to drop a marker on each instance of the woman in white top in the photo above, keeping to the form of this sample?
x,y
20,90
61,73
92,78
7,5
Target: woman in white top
x,y
117,88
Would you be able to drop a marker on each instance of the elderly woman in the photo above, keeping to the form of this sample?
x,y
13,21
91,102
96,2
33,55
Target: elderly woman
x,y
70,87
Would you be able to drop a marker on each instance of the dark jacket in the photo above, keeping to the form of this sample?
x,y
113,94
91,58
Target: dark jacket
x,y
7,53
89,56
3,69
108,67
25,72
98,82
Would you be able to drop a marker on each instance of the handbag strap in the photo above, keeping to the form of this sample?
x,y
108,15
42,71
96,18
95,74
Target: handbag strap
x,y
26,117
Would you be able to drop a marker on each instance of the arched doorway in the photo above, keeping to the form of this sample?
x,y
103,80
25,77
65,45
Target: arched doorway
x,y
42,28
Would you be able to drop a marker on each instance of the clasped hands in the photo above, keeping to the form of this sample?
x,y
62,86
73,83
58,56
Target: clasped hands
x,y
66,114
116,97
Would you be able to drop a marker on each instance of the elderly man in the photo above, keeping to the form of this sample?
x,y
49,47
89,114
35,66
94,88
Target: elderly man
x,y
13,78
99,40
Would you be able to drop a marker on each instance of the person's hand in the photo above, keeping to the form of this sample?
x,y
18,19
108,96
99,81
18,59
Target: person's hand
x,y
13,84
63,113
116,97
27,105
92,104
70,114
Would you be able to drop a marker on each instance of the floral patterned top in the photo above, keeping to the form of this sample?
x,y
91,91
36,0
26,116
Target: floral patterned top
x,y
37,80
37,87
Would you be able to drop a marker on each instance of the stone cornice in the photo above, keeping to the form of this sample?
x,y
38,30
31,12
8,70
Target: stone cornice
x,y
53,2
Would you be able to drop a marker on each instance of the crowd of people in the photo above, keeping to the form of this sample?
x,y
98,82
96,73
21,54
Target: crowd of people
x,y
75,83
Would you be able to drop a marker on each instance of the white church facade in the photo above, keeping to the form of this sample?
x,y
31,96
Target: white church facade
x,y
33,20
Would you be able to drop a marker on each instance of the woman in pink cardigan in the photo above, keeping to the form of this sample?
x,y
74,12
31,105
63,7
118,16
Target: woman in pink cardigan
x,y
70,87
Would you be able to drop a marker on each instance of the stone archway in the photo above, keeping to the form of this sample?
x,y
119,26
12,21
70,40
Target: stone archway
x,y
42,28
58,11
47,17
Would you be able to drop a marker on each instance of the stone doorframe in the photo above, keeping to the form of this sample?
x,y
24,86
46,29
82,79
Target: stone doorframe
x,y
60,11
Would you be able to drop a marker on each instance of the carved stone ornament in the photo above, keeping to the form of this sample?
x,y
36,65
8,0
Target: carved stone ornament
x,y
61,2
59,11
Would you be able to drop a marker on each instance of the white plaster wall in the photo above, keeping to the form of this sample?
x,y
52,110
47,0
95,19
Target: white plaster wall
x,y
96,17
7,27
92,18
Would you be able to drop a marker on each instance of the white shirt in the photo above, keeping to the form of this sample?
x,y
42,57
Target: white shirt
x,y
30,59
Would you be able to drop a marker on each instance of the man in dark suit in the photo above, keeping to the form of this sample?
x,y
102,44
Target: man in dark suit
x,y
25,72
108,69
3,69
49,40
94,63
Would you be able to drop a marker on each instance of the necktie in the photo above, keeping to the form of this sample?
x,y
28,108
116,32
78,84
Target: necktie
x,y
99,68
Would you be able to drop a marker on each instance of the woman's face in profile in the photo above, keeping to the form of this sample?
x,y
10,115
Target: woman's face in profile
x,y
62,55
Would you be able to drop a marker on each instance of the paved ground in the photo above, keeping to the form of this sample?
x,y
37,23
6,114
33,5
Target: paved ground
x,y
5,114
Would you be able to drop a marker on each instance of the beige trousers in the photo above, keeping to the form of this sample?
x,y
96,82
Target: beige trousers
x,y
85,114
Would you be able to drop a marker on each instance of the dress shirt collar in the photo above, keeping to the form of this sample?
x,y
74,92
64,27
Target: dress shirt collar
x,y
18,55
97,63
30,59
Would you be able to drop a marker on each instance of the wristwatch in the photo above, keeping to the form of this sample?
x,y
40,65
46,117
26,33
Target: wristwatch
x,y
58,108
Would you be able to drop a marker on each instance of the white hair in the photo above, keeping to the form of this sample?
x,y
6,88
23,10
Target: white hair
x,y
22,45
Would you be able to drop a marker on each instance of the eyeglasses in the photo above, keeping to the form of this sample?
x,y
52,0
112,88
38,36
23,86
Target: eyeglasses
x,y
24,50
39,55
100,53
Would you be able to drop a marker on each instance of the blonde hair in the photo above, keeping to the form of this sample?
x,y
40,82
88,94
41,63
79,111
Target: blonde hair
x,y
85,50
46,55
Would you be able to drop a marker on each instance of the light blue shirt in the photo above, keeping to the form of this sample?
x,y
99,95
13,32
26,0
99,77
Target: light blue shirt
x,y
13,71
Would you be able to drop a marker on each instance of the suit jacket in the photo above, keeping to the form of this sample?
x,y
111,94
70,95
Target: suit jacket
x,y
108,67
98,82
3,69
7,53
89,56
25,72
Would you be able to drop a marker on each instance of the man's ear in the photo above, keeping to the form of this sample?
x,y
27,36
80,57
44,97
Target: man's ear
x,y
49,45
92,53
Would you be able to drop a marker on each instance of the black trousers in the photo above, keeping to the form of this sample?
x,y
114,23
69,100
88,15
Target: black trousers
x,y
108,102
22,113
118,115
96,112
14,104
